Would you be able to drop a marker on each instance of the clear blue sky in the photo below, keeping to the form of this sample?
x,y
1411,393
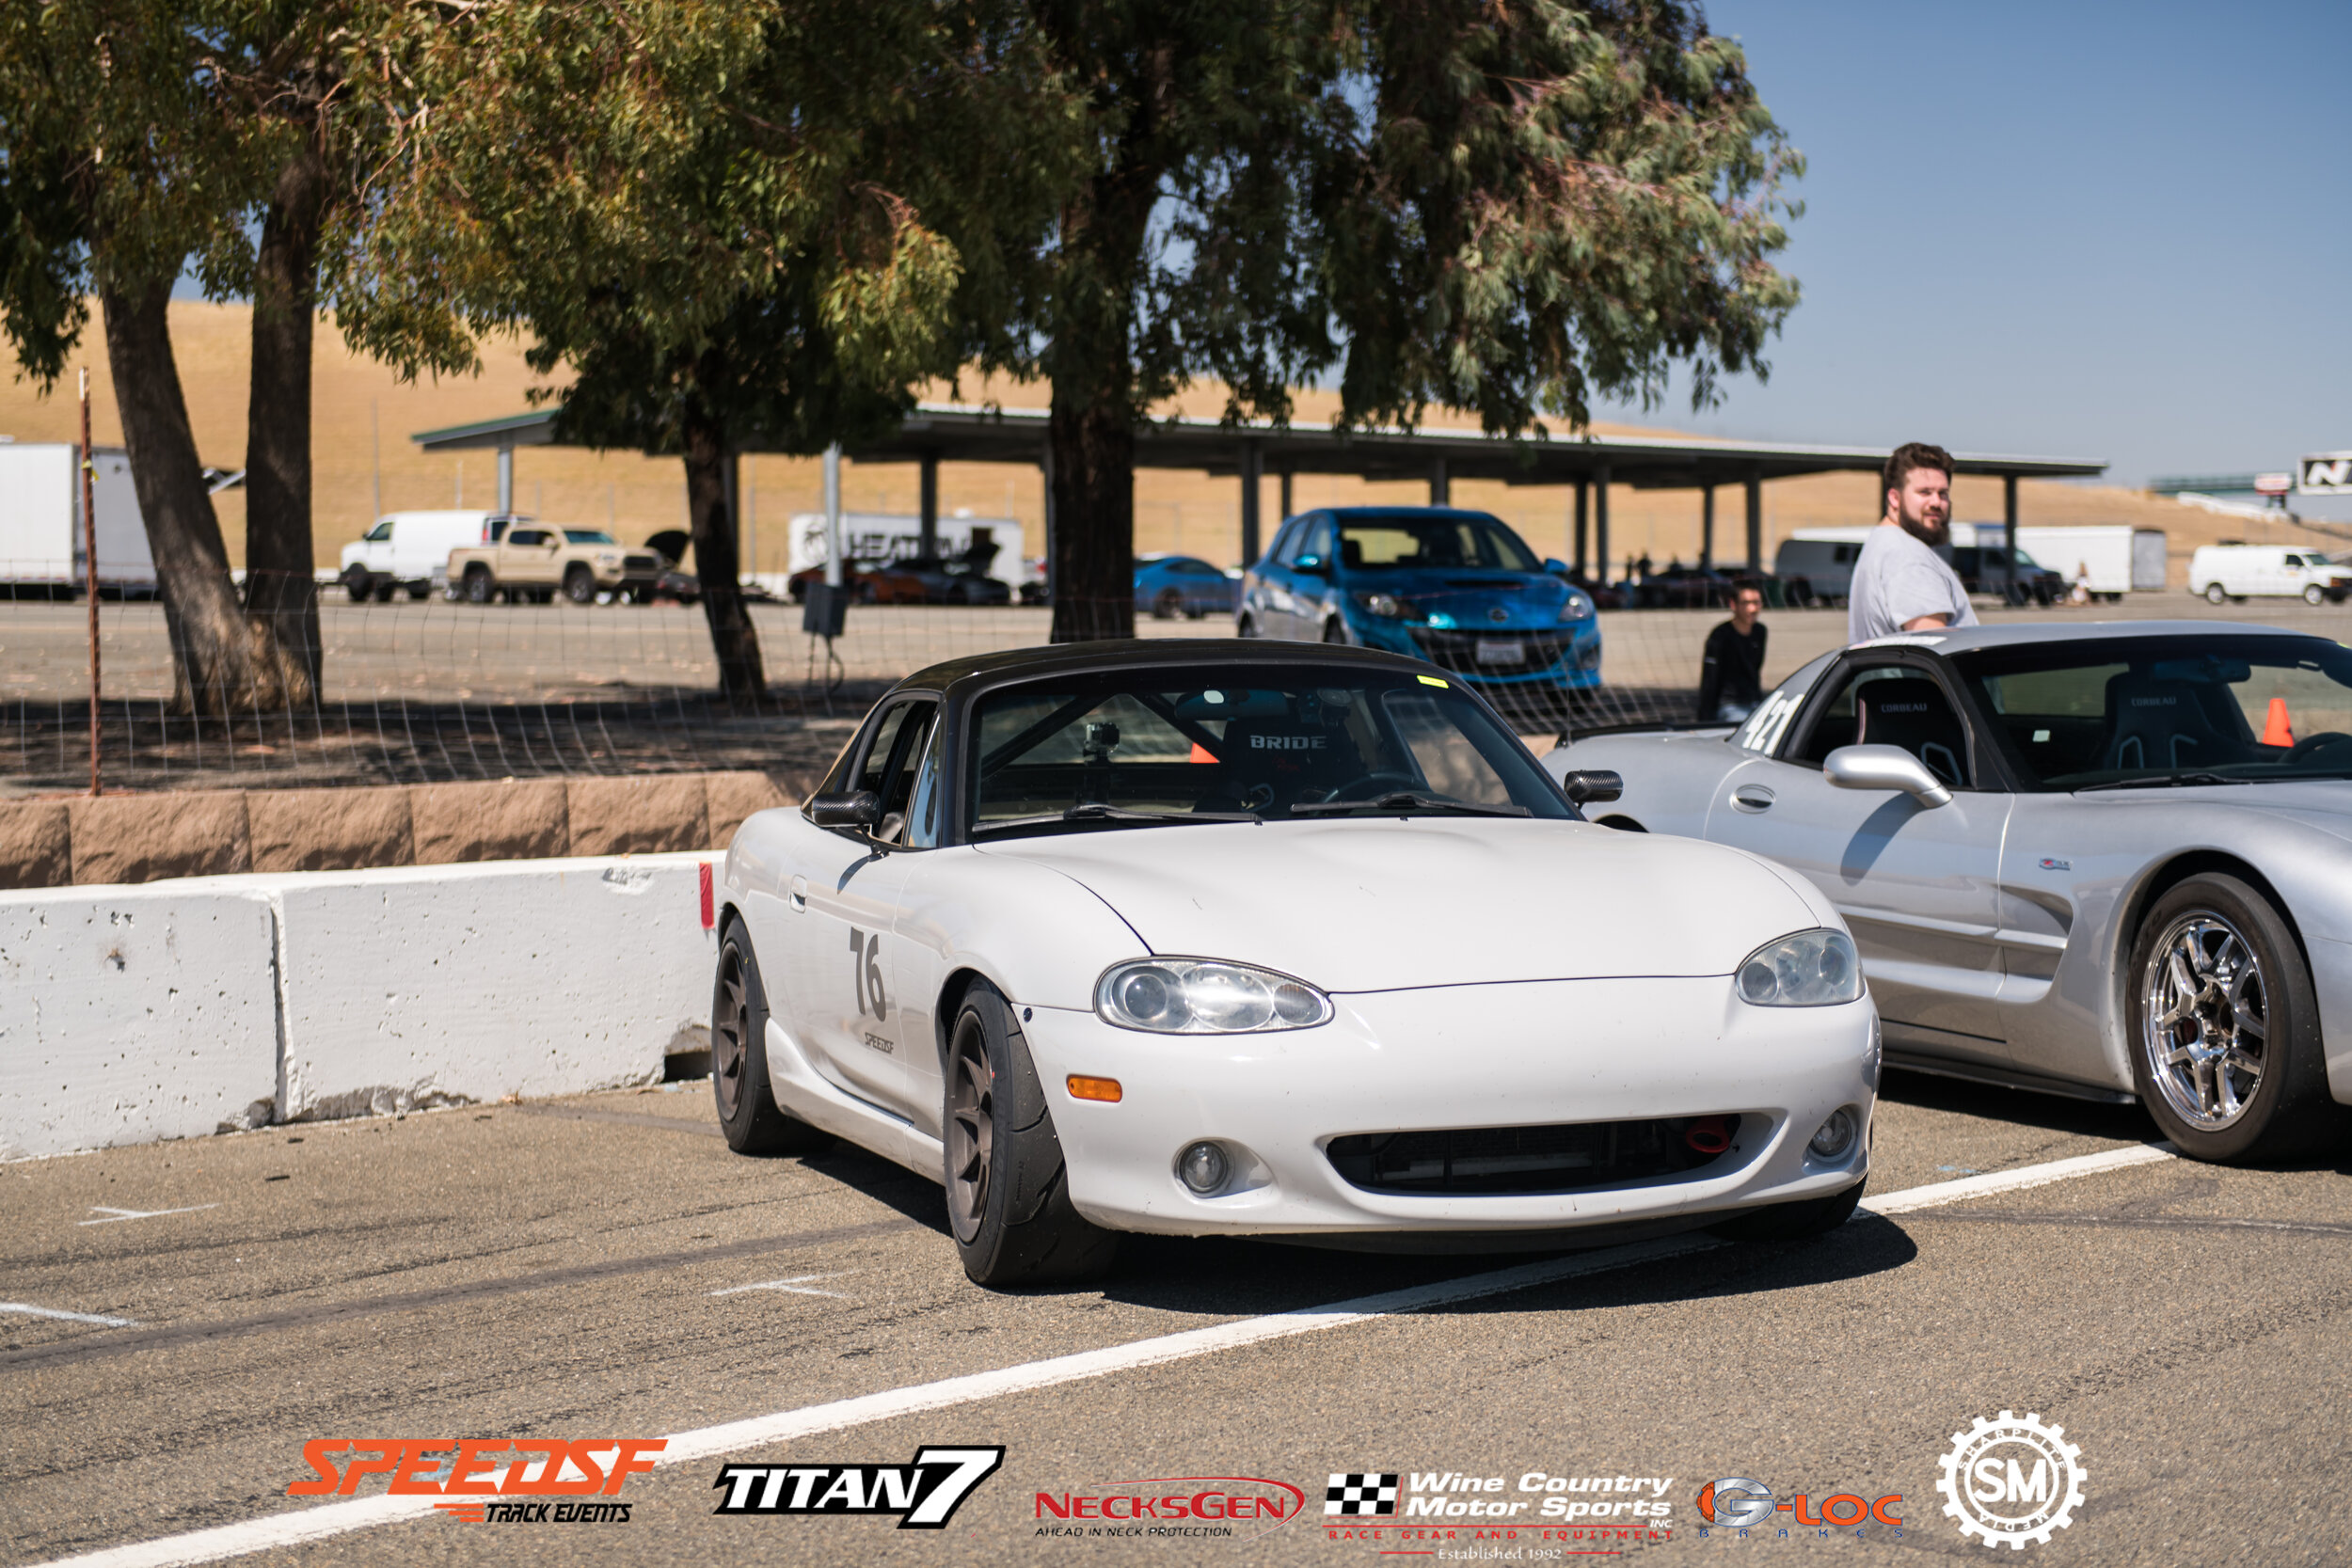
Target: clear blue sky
x,y
2081,229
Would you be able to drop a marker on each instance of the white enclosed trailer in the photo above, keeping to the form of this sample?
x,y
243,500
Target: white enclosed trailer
x,y
40,522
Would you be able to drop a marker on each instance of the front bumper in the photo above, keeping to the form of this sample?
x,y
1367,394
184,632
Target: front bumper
x,y
1563,656
1467,1057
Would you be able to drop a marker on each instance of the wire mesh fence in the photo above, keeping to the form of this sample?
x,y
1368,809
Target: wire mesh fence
x,y
430,690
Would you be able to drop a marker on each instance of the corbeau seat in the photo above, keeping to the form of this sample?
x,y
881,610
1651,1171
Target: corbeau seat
x,y
1912,712
2170,724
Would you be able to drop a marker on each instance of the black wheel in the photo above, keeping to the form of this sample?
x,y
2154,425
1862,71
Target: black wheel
x,y
2224,1028
1792,1222
479,586
1169,605
738,1059
418,590
359,584
1007,1197
1246,627
579,585
1335,630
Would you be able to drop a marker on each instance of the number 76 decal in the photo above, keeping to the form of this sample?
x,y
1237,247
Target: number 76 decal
x,y
865,974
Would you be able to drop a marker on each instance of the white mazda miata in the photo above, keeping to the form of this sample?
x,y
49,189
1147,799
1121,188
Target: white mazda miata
x,y
1193,937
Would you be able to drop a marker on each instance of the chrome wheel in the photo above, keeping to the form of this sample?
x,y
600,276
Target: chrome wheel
x,y
971,1130
2205,1020
730,1037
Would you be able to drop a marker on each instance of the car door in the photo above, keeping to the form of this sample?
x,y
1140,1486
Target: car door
x,y
1266,596
1312,596
922,935
842,904
1915,883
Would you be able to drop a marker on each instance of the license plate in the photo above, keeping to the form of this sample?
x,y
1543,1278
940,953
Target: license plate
x,y
1501,650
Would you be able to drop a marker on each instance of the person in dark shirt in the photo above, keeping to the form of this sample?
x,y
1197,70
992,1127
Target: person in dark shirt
x,y
1731,675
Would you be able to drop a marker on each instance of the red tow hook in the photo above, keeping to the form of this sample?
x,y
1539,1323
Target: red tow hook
x,y
1709,1136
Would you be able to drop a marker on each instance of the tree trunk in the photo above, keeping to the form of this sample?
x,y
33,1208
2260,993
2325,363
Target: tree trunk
x,y
214,646
733,638
280,589
1094,515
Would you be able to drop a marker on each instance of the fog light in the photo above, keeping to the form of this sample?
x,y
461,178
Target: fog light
x,y
1835,1136
1203,1166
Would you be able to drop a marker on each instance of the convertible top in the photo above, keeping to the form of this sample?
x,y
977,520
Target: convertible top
x,y
2013,634
1145,653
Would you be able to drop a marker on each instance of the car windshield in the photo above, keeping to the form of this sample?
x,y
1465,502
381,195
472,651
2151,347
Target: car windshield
x,y
1407,541
1131,748
589,536
2144,712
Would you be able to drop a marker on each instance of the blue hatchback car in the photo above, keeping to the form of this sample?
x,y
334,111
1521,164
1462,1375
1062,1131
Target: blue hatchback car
x,y
1456,588
1173,585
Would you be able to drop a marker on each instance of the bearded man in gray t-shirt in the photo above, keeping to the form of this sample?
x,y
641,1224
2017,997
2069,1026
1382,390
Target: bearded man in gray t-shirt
x,y
1900,583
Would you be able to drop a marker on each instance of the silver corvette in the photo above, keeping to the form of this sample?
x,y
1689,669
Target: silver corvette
x,y
2108,859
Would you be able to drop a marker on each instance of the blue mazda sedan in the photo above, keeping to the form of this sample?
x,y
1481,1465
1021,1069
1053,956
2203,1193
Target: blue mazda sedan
x,y
1455,588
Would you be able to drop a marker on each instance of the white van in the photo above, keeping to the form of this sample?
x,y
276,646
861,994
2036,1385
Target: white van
x,y
2239,572
410,550
1816,565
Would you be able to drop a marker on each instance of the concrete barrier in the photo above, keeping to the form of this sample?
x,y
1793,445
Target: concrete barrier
x,y
427,986
132,1014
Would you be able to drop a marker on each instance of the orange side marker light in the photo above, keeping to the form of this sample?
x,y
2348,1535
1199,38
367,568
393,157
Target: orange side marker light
x,y
1105,1090
1200,754
2280,731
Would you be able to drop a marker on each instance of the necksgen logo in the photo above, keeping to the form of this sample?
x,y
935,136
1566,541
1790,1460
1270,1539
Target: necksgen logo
x,y
1177,1505
924,1494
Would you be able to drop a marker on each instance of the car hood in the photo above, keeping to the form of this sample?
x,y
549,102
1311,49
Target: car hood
x,y
1467,597
1388,904
2322,803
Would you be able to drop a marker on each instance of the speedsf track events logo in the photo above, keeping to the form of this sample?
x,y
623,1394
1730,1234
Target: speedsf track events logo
x,y
544,1480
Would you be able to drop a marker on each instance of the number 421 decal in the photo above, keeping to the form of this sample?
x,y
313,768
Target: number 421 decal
x,y
865,974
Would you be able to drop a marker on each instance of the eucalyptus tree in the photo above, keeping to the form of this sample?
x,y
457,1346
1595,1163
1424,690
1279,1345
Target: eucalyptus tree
x,y
752,224
1503,210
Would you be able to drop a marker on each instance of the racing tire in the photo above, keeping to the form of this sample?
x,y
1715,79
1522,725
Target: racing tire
x,y
2215,1095
481,587
748,1113
1792,1222
579,585
1008,1191
2315,595
1169,605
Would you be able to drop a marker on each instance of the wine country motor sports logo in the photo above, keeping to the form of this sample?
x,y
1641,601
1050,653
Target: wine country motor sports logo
x,y
923,1494
547,1480
2009,1481
1362,1494
1736,1505
1452,1511
1232,1508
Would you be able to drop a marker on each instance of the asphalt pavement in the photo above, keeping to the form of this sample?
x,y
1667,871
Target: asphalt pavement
x,y
601,1267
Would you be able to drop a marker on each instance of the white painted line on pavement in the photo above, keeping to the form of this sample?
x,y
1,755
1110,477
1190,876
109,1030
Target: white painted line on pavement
x,y
319,1522
797,1285
70,1317
1938,1193
116,1216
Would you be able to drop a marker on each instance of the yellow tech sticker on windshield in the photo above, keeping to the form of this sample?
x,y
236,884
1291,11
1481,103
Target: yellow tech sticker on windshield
x,y
1429,681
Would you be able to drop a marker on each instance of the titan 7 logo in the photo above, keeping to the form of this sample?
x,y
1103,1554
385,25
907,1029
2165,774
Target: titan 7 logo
x,y
924,1494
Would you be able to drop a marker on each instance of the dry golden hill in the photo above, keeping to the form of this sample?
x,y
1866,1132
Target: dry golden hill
x,y
366,464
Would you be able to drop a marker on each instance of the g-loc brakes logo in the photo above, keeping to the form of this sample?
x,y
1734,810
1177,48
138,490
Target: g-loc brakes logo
x,y
573,1468
1988,1490
1743,1503
925,1494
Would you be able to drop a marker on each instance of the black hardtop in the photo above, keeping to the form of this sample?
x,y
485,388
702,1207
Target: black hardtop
x,y
1145,654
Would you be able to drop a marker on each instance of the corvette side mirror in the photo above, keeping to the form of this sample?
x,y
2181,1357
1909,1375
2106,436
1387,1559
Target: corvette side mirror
x,y
862,809
1589,786
1884,768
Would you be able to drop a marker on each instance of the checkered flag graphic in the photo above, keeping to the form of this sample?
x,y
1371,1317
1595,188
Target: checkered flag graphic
x,y
1361,1492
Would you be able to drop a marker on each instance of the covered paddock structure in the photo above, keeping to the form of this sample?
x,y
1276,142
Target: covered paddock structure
x,y
937,433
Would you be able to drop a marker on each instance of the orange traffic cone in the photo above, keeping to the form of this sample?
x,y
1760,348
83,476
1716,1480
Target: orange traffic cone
x,y
2279,731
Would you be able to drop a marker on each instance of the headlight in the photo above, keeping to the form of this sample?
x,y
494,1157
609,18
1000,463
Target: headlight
x,y
1579,608
1811,969
1387,606
607,558
1201,996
